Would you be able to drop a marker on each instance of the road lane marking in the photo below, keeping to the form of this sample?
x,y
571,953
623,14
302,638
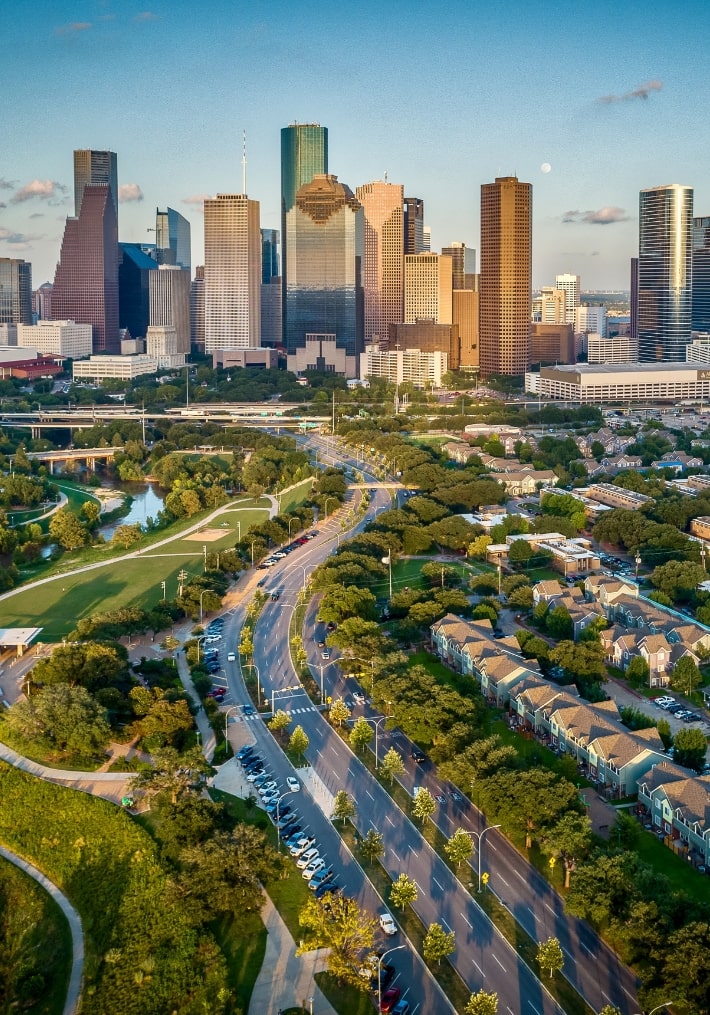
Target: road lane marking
x,y
388,818
465,918
517,872
413,849
491,846
500,964
439,886
501,878
588,950
478,968
445,924
334,750
395,856
533,1008
368,793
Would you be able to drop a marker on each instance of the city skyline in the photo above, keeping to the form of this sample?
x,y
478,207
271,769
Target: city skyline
x,y
607,127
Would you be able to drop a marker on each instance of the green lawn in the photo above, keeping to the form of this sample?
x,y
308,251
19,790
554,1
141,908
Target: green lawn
x,y
243,942
346,1000
248,515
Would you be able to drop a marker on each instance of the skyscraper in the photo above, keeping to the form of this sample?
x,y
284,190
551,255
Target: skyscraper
x,y
413,225
86,279
232,273
701,274
463,260
170,302
197,308
94,167
506,276
428,288
172,238
665,272
133,289
634,298
383,260
269,255
570,285
15,291
323,289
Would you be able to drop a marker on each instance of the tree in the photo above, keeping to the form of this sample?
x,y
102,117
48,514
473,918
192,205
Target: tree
x,y
340,602
528,803
438,944
478,546
690,746
610,1009
424,804
61,718
66,529
569,840
582,661
392,765
173,773
521,597
637,672
664,732
299,742
339,712
170,643
482,1003
459,847
403,892
558,623
246,643
550,955
280,721
520,552
372,846
91,664
339,926
685,676
361,734
126,536
343,807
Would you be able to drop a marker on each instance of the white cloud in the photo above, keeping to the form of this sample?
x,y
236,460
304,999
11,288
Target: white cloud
x,y
643,92
198,199
605,216
44,190
129,192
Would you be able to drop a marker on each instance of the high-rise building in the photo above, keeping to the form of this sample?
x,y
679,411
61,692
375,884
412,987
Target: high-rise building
x,y
323,288
428,288
86,279
96,167
15,291
172,238
383,261
665,272
590,317
426,239
463,263
42,302
552,343
570,285
133,289
232,273
506,276
465,317
428,336
413,225
197,308
701,274
58,338
271,312
269,255
553,303
634,299
170,303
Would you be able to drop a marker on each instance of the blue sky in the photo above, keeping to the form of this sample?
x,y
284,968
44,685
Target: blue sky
x,y
443,98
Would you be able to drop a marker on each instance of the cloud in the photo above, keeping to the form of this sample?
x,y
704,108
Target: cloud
x,y
73,28
17,240
44,190
2,204
146,16
7,184
129,192
605,216
642,92
198,199
37,215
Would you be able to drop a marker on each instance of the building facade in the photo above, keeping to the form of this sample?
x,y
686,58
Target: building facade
x,y
552,343
15,291
422,369
232,273
665,272
428,288
427,336
506,276
122,368
590,318
552,306
463,263
621,349
700,315
172,239
197,308
570,285
383,259
413,225
271,312
270,239
61,338
134,270
465,316
630,382
170,303
94,167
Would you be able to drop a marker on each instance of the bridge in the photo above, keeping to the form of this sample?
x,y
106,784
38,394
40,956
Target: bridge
x,y
90,456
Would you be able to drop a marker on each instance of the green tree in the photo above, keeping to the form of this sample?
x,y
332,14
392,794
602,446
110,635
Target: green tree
x,y
664,732
90,664
173,773
459,848
163,718
424,804
126,536
438,944
66,529
299,742
482,1003
528,803
339,712
520,552
343,807
569,840
690,747
403,892
685,676
61,718
637,672
372,846
478,546
347,933
170,643
521,598
361,734
558,623
479,760
280,721
90,512
392,765
550,955
580,660
609,1009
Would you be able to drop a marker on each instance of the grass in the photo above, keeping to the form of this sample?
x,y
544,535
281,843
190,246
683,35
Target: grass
x,y
243,943
679,872
345,999
30,749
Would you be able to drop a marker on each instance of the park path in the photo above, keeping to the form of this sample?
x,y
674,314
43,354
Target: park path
x,y
73,998
109,785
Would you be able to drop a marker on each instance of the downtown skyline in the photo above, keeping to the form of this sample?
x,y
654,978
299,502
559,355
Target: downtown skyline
x,y
442,101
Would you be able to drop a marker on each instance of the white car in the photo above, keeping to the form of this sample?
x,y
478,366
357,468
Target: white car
x,y
231,657
306,858
271,796
267,788
304,843
387,924
313,867
359,697
293,784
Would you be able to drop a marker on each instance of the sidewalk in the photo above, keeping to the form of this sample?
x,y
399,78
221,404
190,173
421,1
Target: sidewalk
x,y
285,980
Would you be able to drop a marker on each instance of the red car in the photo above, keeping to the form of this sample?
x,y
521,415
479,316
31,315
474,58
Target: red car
x,y
390,999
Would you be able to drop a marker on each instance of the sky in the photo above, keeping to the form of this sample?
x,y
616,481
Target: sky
x,y
589,102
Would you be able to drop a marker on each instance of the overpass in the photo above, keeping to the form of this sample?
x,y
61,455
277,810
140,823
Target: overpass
x,y
90,456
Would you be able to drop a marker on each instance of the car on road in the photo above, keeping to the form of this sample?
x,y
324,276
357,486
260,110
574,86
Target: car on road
x,y
306,858
390,998
275,596
231,657
293,784
418,755
248,710
359,697
313,867
325,654
387,924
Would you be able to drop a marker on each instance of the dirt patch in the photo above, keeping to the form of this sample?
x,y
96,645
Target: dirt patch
x,y
206,535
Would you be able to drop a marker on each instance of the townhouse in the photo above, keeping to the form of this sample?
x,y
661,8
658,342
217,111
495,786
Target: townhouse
x,y
676,806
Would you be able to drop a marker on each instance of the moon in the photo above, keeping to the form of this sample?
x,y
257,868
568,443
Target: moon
x,y
546,167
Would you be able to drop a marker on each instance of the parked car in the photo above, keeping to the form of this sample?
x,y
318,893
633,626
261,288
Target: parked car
x,y
320,877
267,787
327,888
293,784
304,843
306,858
390,998
387,924
286,821
313,867
401,1008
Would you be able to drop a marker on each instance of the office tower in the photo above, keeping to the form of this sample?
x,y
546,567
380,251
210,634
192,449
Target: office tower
x,y
94,167
86,279
506,275
42,302
426,239
197,308
133,289
465,305
428,336
701,275
413,225
272,312
58,338
463,260
634,299
232,273
428,290
15,291
169,288
172,238
323,326
552,343
269,255
383,261
665,272
590,318
570,285
553,305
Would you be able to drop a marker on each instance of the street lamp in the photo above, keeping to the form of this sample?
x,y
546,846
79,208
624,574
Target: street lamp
x,y
479,839
703,554
658,1008
376,724
201,595
379,972
388,560
326,504
290,522
284,690
637,560
252,666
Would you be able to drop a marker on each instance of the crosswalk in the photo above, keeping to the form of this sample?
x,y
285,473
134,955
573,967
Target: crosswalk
x,y
259,715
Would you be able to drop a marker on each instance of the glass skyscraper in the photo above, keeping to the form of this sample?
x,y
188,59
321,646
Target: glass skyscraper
x,y
15,291
172,238
665,273
701,274
92,166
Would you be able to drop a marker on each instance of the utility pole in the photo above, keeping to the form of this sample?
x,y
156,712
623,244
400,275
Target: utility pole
x,y
182,578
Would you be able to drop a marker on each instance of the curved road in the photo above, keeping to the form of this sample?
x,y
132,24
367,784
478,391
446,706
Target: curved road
x,y
71,1004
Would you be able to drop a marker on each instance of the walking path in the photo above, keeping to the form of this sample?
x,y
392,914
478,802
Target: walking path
x,y
285,979
71,1004
110,785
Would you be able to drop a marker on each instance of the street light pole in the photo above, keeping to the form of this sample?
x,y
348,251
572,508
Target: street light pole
x,y
637,560
479,839
658,1008
379,972
201,595
376,724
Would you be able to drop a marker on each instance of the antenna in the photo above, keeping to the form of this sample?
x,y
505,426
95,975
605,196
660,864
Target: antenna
x,y
244,162
385,176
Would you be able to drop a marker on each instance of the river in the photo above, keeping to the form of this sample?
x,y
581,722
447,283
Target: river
x,y
148,500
